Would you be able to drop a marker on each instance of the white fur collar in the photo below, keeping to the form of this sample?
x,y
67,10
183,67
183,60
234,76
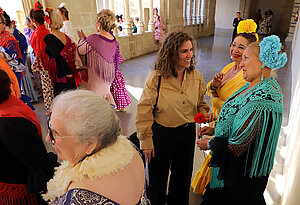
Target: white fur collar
x,y
105,162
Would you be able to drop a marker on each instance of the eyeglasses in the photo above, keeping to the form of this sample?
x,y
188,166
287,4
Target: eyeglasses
x,y
52,138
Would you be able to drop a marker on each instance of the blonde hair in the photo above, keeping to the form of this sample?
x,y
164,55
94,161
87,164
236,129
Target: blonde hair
x,y
256,48
107,19
56,20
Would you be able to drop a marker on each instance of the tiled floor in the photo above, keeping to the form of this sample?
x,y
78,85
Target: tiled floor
x,y
212,55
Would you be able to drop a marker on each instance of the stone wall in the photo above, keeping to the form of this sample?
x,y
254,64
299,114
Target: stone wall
x,y
296,7
83,14
282,14
137,45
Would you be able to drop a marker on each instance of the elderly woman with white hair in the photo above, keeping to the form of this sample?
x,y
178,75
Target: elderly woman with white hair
x,y
61,51
101,166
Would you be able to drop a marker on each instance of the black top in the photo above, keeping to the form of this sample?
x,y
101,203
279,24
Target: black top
x,y
23,156
236,22
53,48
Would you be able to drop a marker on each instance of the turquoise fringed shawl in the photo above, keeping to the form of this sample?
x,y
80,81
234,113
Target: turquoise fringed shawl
x,y
250,113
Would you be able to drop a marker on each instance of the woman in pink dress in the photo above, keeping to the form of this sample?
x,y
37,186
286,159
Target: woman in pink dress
x,y
100,54
159,34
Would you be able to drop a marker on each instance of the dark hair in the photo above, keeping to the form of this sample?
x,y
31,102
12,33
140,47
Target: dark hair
x,y
7,19
266,13
5,90
2,19
271,12
167,57
249,36
64,12
28,19
238,12
259,10
38,16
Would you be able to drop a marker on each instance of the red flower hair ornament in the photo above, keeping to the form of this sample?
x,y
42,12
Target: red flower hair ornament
x,y
199,118
47,19
47,15
1,11
38,6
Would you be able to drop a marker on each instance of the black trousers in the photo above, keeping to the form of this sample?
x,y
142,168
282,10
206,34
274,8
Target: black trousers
x,y
174,150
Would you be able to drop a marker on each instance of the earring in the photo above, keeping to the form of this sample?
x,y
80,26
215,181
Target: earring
x,y
263,66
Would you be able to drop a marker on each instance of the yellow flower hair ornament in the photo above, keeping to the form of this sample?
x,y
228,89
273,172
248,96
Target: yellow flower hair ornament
x,y
247,26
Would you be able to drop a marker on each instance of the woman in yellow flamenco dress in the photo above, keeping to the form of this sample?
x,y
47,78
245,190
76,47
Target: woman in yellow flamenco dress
x,y
223,85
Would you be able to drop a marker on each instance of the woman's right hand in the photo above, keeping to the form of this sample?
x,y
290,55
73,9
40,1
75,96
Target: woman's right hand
x,y
217,81
148,153
206,131
80,34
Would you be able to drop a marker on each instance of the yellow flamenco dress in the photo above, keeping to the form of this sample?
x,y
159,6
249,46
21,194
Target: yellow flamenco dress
x,y
202,177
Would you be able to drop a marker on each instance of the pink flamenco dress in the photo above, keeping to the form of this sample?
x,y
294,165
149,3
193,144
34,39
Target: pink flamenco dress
x,y
159,34
98,57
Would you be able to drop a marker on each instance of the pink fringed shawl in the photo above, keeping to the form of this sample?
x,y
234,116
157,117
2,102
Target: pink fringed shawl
x,y
100,56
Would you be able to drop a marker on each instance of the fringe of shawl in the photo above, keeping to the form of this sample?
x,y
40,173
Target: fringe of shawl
x,y
100,66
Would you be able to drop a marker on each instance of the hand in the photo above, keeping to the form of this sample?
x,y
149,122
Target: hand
x,y
80,34
202,144
206,131
210,117
217,81
148,153
69,76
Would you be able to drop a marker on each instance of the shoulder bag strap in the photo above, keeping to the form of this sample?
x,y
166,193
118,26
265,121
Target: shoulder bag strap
x,y
158,87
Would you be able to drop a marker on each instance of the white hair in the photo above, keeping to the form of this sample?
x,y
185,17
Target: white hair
x,y
87,115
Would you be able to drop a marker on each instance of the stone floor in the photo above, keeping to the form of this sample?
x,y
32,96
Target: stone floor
x,y
212,55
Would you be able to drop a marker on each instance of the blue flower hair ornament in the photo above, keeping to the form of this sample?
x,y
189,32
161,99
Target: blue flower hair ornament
x,y
270,52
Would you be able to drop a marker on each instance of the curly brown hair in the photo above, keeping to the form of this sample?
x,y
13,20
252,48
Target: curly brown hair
x,y
168,58
107,19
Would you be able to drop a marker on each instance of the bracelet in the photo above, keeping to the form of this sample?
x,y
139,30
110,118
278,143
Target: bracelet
x,y
208,146
212,87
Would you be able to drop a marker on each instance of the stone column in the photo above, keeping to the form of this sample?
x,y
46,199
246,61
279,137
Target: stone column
x,y
194,12
151,23
128,30
184,13
27,6
112,5
140,26
44,4
189,12
212,11
245,8
198,11
112,8
205,15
